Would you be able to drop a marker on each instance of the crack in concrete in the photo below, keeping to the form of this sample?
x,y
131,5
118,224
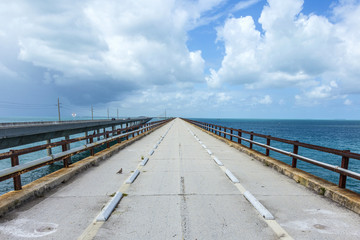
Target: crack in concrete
x,y
183,205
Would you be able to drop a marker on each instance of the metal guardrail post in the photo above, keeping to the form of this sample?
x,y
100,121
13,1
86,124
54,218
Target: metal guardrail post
x,y
239,134
107,143
16,179
92,149
251,138
65,160
267,153
344,164
295,151
48,149
118,133
231,132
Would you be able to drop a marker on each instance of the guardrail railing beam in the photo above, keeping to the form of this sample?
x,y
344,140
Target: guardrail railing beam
x,y
16,170
342,170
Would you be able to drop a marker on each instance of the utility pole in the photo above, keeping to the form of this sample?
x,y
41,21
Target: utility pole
x,y
59,109
92,113
108,113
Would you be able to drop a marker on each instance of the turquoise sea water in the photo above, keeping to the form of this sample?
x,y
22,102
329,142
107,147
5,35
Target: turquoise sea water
x,y
338,134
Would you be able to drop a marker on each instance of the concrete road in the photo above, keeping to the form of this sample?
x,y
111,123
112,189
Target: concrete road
x,y
181,193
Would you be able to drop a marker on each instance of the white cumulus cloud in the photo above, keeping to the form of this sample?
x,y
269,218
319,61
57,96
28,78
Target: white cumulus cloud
x,y
292,49
128,44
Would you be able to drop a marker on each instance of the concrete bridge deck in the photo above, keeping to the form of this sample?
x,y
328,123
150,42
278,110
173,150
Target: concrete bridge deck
x,y
181,193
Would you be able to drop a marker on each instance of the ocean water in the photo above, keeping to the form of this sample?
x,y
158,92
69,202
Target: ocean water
x,y
338,134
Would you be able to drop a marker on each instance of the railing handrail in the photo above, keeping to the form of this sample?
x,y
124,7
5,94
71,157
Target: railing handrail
x,y
345,153
19,152
16,171
343,171
60,155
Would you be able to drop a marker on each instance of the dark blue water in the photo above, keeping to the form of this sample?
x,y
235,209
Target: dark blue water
x,y
338,134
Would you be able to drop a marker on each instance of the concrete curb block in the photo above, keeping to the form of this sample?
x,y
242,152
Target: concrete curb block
x,y
151,152
143,162
109,208
133,176
344,197
259,207
204,146
209,152
231,176
218,162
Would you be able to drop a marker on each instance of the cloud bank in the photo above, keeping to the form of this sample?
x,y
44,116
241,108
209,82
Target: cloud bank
x,y
124,44
137,56
318,55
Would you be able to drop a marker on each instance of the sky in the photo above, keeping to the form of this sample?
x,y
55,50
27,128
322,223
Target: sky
x,y
274,59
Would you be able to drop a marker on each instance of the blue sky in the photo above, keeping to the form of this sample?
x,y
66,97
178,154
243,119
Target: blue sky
x,y
208,58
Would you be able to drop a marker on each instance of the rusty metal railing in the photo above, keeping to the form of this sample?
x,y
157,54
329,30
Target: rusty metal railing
x,y
236,135
118,135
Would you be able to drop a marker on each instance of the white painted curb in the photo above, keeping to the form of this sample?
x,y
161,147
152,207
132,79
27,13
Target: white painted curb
x,y
210,153
132,177
231,176
218,162
261,209
143,162
109,208
155,146
204,146
151,152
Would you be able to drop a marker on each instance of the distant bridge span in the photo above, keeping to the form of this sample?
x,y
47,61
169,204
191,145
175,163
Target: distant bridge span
x,y
20,133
